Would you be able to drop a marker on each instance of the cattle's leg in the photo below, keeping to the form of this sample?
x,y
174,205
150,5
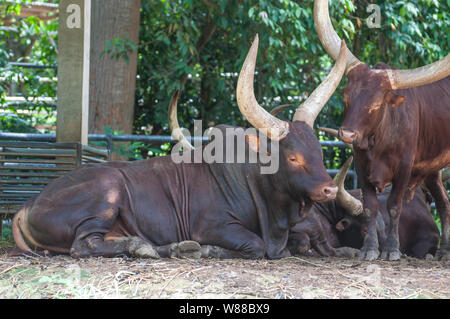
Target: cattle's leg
x,y
391,247
381,230
299,243
423,247
324,248
320,244
437,190
185,249
94,245
212,251
233,241
369,250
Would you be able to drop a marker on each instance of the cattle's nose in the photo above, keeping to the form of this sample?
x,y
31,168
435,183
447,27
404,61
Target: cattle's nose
x,y
347,136
324,193
330,192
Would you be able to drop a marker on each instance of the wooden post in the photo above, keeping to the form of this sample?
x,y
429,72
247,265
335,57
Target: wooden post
x,y
113,82
73,70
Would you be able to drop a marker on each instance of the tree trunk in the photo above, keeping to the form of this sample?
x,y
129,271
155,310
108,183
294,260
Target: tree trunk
x,y
113,82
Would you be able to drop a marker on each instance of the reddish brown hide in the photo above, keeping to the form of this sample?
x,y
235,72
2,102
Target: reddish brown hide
x,y
398,123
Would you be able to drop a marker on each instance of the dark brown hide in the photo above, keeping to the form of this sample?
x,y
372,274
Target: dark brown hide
x,y
232,210
330,231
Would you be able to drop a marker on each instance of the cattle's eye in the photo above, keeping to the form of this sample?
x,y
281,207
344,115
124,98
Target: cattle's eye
x,y
297,160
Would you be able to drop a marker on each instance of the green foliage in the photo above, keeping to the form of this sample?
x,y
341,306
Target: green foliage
x,y
132,150
176,51
413,33
10,122
7,237
27,40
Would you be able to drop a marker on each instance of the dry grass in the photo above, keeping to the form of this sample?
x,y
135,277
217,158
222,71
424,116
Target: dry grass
x,y
294,277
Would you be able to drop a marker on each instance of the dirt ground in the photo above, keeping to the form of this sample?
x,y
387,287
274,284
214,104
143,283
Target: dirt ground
x,y
293,277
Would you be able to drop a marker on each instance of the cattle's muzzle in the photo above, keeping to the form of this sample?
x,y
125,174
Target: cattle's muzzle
x,y
347,136
325,193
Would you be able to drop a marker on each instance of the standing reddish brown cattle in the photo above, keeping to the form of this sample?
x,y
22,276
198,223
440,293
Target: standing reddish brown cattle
x,y
398,122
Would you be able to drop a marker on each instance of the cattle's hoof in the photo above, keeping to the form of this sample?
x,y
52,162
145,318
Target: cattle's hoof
x,y
391,255
303,250
141,249
369,255
146,251
429,257
442,254
209,251
187,249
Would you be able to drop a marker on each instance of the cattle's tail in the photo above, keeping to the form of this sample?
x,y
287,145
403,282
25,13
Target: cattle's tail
x,y
17,231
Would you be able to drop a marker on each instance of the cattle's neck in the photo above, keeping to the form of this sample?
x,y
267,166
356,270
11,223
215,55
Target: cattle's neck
x,y
329,211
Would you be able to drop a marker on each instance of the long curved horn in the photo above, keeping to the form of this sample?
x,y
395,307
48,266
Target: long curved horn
x,y
400,79
280,108
330,131
404,79
174,127
353,206
247,103
309,109
328,36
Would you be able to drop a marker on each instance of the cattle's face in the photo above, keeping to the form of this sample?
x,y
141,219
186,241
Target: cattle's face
x,y
353,223
366,97
301,165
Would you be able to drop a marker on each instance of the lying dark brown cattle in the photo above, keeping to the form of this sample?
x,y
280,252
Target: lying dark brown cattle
x,y
398,122
335,229
144,208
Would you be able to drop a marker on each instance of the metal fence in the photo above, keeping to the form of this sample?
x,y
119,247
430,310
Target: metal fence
x,y
31,65
109,139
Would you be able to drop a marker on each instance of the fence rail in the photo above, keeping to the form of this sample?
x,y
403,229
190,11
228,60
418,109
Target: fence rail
x,y
31,65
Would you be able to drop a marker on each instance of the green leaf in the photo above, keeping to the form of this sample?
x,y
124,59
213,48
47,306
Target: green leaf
x,y
402,11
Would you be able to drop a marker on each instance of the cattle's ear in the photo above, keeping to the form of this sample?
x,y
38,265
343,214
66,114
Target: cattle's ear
x,y
394,99
253,142
343,224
